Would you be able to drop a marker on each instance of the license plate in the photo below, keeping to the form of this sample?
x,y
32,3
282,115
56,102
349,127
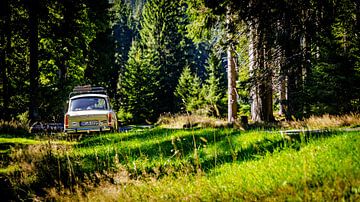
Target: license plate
x,y
89,123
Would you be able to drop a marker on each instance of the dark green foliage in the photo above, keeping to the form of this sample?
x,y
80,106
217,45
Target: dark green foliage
x,y
333,83
101,69
137,85
154,63
206,98
74,45
124,31
137,50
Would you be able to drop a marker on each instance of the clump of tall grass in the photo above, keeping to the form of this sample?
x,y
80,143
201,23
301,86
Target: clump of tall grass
x,y
188,121
30,165
325,121
14,127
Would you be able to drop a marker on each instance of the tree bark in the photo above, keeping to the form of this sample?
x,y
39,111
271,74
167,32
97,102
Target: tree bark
x,y
34,67
5,42
254,94
261,77
282,95
232,97
267,93
232,74
357,13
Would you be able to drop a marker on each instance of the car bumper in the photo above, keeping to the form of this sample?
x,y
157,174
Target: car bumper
x,y
87,130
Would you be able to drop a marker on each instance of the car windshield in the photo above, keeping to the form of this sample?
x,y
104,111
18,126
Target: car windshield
x,y
88,103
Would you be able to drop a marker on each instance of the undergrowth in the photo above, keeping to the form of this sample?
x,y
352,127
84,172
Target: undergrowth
x,y
14,127
314,122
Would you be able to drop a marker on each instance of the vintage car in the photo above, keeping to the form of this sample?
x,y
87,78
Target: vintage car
x,y
89,110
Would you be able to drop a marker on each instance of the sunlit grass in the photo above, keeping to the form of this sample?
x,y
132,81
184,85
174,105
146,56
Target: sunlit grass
x,y
9,169
187,164
326,169
26,141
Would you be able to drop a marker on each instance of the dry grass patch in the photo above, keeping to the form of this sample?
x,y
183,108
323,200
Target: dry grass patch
x,y
14,127
326,121
189,121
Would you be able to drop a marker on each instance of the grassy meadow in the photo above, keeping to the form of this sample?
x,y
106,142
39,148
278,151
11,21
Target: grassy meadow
x,y
198,164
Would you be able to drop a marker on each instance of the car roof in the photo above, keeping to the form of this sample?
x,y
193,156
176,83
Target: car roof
x,y
89,95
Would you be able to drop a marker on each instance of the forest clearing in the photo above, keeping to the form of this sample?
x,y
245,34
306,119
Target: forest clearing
x,y
204,100
196,164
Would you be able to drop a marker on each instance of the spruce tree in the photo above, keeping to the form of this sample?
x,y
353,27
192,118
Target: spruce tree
x,y
188,90
214,88
158,59
162,47
136,86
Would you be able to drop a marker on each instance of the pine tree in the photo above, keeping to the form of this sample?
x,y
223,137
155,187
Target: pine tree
x,y
189,92
162,47
214,88
158,62
136,86
124,32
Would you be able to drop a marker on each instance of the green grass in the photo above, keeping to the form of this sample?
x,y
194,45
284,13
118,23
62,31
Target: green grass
x,y
194,164
324,169
9,169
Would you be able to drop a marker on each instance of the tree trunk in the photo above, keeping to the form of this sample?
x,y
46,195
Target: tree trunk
x,y
34,67
232,74
232,97
282,95
267,94
261,78
357,13
254,94
5,46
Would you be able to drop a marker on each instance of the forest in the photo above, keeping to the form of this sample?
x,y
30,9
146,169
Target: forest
x,y
218,100
267,60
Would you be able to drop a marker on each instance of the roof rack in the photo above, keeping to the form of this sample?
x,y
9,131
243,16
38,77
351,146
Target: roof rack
x,y
78,90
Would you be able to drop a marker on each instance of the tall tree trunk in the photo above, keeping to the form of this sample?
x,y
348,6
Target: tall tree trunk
x,y
281,78
261,77
357,13
306,51
34,67
282,95
65,48
232,97
254,90
267,94
232,74
5,47
293,69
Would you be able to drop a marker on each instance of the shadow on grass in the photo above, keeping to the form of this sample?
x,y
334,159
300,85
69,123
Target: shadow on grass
x,y
182,148
165,147
70,170
230,152
259,149
158,134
